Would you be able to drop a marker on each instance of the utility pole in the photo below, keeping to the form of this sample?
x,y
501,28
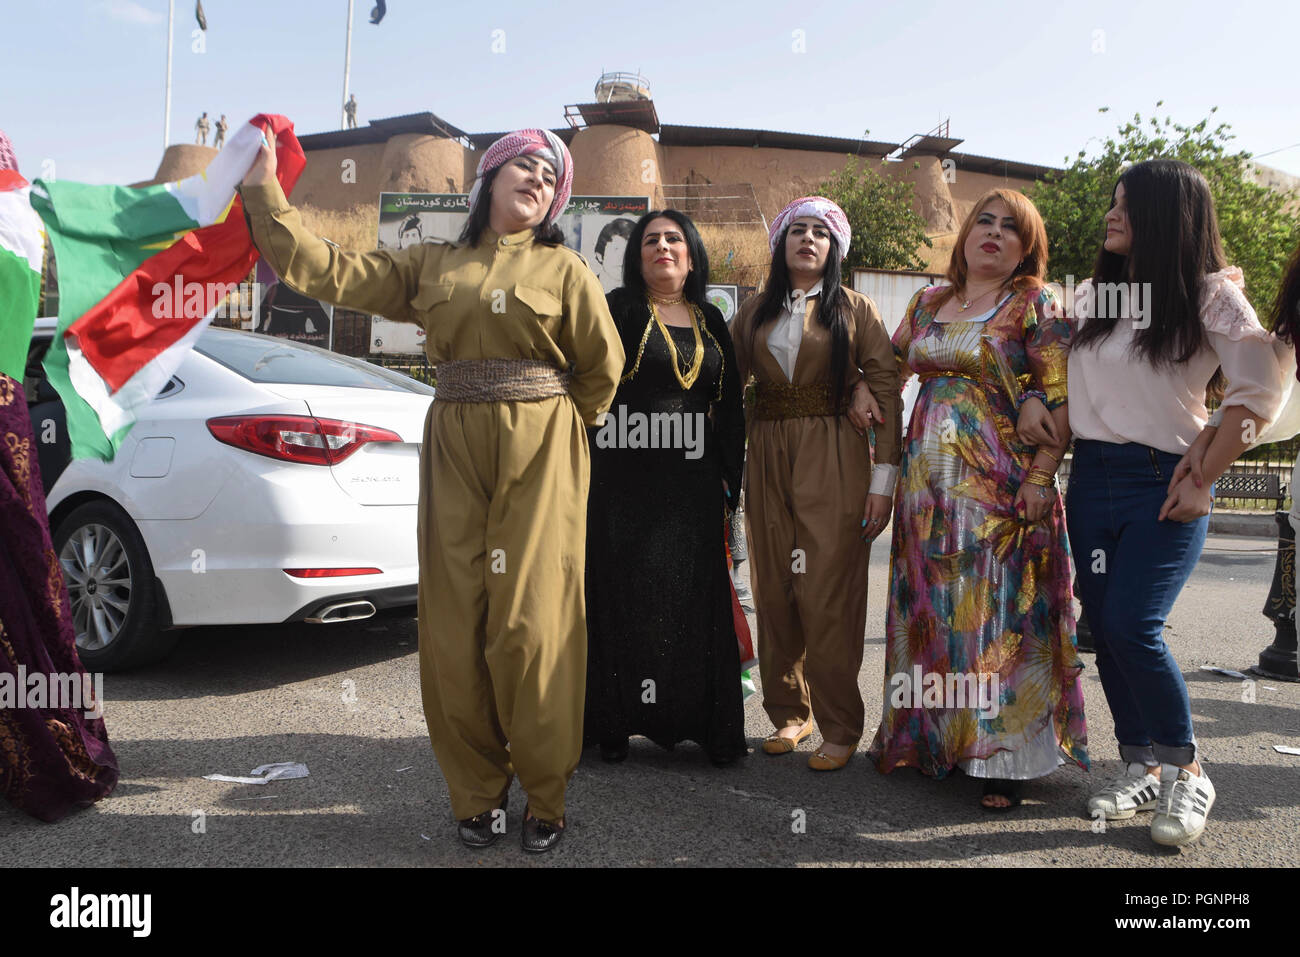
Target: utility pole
x,y
347,72
167,104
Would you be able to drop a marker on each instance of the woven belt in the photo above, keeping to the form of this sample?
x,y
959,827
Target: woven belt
x,y
498,380
774,400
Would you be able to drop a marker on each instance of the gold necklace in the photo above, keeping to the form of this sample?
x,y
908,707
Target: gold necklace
x,y
966,305
667,302
687,379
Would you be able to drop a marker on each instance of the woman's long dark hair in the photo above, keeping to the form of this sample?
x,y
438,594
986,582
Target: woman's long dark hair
x,y
1286,308
832,312
697,280
551,235
1174,244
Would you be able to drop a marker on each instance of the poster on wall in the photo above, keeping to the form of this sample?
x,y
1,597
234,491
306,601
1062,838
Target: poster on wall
x,y
408,219
287,314
598,227
725,297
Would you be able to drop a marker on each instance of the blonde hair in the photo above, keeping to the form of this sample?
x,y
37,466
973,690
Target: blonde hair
x,y
1031,273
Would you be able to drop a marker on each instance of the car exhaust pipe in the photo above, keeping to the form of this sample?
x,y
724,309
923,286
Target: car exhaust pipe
x,y
342,611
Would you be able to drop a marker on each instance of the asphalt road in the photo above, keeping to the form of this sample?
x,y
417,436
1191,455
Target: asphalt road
x,y
345,700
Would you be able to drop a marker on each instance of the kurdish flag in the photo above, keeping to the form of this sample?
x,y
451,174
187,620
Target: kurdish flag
x,y
21,247
123,255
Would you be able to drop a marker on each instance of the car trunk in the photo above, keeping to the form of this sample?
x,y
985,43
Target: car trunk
x,y
378,473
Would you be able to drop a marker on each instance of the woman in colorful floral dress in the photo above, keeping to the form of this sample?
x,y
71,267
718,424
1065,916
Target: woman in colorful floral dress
x,y
981,669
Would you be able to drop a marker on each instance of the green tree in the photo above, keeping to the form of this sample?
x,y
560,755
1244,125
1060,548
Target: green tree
x,y
1259,232
887,230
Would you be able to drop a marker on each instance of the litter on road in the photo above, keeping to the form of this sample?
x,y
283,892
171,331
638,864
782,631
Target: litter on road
x,y
268,772
1228,672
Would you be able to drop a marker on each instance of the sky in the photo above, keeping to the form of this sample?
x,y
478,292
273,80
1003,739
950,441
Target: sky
x,y
1017,80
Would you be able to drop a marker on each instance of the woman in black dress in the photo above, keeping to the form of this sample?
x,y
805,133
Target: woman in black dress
x,y
662,657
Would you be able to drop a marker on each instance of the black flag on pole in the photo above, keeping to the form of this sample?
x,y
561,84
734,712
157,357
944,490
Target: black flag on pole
x,y
378,11
198,15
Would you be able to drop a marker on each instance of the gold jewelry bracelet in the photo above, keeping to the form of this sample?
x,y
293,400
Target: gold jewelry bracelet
x,y
1040,477
1049,455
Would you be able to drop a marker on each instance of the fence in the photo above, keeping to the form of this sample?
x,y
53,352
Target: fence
x,y
417,366
718,204
1238,473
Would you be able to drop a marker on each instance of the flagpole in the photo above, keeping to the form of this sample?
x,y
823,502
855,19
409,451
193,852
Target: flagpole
x,y
167,105
347,71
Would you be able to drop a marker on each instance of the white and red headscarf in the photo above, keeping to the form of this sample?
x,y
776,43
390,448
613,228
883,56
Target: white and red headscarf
x,y
542,143
822,208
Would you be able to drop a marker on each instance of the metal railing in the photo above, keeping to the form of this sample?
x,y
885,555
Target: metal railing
x,y
609,83
1259,485
716,204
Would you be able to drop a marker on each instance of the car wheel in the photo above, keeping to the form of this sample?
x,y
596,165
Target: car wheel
x,y
111,586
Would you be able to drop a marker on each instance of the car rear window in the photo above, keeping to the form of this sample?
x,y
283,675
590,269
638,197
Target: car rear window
x,y
270,360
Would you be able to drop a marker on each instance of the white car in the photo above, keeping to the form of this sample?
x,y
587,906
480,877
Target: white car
x,y
269,481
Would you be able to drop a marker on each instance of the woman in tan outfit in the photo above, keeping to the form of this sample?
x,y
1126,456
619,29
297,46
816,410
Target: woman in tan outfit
x,y
526,355
812,496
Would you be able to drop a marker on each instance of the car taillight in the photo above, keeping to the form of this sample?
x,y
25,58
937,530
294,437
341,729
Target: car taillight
x,y
297,438
330,572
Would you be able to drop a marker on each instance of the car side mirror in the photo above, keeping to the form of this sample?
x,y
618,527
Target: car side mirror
x,y
46,392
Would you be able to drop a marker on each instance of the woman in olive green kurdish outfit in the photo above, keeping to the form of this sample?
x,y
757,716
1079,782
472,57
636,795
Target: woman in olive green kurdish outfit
x,y
526,356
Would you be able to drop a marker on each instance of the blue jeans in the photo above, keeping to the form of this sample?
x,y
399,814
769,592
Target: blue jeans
x,y
1131,569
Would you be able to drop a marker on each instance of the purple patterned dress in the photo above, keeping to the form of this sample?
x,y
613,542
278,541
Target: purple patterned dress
x,y
52,760
981,669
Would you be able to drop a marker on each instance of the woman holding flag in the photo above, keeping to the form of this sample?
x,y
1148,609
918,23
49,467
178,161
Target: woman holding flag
x,y
526,355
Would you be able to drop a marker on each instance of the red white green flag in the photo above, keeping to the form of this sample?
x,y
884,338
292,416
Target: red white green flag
x,y
141,272
21,246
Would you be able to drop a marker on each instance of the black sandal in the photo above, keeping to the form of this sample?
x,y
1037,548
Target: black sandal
x,y
1002,787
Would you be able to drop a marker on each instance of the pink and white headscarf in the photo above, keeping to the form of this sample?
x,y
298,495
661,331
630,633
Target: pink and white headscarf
x,y
542,143
821,207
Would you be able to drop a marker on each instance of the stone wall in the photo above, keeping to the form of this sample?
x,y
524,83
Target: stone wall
x,y
609,161
617,161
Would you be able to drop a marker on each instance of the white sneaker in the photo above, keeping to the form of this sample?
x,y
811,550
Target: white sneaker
x,y
1124,796
1184,806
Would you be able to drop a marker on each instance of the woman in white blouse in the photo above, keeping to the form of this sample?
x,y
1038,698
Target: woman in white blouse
x,y
1162,322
